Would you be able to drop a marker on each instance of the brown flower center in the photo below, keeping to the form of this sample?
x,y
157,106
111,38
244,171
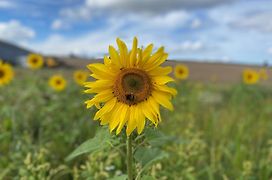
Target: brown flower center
x,y
58,82
132,86
249,76
34,60
2,73
181,71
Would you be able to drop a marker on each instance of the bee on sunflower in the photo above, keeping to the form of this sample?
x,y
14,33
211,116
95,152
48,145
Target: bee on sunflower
x,y
181,72
35,61
6,73
250,76
57,82
130,86
80,77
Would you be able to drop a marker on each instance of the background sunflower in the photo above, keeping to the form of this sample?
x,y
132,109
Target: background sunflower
x,y
250,76
35,61
57,82
80,77
263,74
181,71
50,62
6,73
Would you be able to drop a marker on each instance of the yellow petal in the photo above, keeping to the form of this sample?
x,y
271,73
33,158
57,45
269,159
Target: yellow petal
x,y
140,119
160,71
152,65
123,52
157,55
123,118
115,59
133,52
147,52
163,99
165,88
131,125
115,118
101,71
105,84
103,96
148,112
162,79
105,119
105,109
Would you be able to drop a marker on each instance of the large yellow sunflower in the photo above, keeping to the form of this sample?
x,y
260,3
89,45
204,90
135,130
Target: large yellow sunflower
x,y
263,74
57,82
80,77
6,73
181,71
250,76
130,86
34,61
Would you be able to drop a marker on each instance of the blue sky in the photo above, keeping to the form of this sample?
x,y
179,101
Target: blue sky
x,y
207,30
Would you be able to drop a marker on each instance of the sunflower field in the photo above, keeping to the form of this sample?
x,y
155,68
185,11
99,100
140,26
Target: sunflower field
x,y
112,121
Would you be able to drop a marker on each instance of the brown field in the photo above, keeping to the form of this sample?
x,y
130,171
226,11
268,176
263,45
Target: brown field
x,y
199,71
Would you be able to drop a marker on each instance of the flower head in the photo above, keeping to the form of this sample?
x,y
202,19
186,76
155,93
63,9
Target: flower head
x,y
34,61
50,62
130,86
250,76
80,77
263,74
57,82
6,73
181,71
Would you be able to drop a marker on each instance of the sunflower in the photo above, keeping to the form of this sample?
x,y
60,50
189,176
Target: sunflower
x,y
181,71
34,61
250,76
57,82
130,86
263,74
80,77
50,62
6,73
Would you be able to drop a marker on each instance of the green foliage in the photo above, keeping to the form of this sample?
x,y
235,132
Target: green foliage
x,y
215,132
99,142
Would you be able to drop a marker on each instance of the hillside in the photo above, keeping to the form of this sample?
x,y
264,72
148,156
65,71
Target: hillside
x,y
11,52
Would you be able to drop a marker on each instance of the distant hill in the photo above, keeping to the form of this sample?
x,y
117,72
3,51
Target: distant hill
x,y
12,53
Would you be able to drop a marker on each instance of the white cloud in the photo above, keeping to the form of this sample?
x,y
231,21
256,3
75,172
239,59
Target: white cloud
x,y
59,24
109,8
6,4
196,23
78,13
260,21
14,31
190,46
269,50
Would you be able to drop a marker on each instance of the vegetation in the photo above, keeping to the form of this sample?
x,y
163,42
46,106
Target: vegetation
x,y
215,132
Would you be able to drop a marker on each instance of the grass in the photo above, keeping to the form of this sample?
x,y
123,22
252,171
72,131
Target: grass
x,y
216,132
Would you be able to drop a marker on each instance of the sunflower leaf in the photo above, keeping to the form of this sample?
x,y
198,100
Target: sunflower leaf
x,y
157,138
100,141
147,156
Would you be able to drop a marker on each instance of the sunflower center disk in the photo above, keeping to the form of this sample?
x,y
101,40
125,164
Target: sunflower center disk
x,y
2,73
34,60
132,86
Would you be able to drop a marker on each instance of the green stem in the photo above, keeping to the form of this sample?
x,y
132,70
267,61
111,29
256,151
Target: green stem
x,y
129,158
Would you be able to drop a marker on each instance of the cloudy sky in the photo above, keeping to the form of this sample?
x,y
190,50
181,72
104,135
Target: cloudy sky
x,y
221,30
